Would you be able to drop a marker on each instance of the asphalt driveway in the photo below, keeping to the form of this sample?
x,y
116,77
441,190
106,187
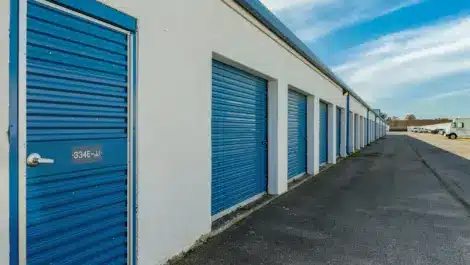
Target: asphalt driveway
x,y
385,206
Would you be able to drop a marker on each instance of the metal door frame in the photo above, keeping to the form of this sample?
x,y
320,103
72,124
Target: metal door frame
x,y
96,12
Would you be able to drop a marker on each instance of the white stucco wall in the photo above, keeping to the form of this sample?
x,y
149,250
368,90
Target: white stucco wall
x,y
174,107
312,151
177,41
356,107
4,146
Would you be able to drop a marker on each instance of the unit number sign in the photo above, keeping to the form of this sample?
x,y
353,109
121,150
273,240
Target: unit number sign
x,y
87,154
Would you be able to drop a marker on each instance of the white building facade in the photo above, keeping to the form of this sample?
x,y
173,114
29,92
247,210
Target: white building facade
x,y
130,126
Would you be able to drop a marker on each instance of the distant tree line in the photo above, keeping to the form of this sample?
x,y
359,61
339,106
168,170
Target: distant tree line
x,y
412,117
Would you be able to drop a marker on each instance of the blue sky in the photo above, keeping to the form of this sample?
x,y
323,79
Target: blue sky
x,y
402,56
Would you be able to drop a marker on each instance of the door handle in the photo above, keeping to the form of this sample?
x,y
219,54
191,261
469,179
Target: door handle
x,y
35,159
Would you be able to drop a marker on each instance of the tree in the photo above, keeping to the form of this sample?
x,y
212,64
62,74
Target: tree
x,y
383,115
395,118
410,117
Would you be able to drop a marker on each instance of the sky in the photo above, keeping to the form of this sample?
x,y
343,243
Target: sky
x,y
400,56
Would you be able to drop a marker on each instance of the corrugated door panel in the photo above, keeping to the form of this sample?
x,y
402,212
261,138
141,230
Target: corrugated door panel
x,y
356,129
297,134
351,133
323,133
77,83
361,131
239,136
375,130
338,132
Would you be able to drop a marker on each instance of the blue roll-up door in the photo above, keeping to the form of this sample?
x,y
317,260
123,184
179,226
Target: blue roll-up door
x,y
338,132
375,129
357,132
77,116
323,133
351,133
297,134
239,136
367,126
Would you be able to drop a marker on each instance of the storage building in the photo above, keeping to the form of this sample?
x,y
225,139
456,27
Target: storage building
x,y
131,126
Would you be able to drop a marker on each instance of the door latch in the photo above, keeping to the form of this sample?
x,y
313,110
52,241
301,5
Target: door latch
x,y
35,159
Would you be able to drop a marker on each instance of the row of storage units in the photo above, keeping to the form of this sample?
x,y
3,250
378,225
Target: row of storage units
x,y
109,107
240,135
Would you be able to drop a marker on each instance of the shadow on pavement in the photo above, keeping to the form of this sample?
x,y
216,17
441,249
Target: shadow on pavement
x,y
452,170
382,206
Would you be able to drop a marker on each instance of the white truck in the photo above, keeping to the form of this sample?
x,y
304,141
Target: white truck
x,y
459,128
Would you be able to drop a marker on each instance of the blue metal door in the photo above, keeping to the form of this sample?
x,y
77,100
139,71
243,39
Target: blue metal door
x,y
338,132
375,128
351,133
367,128
239,136
78,80
323,133
297,134
356,131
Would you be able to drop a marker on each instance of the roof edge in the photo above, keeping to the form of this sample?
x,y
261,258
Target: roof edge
x,y
265,16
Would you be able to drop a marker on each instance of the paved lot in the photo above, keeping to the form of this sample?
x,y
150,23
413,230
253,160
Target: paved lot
x,y
449,159
386,206
460,147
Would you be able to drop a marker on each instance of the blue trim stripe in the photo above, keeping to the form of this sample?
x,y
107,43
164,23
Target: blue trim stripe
x,y
100,11
134,151
13,129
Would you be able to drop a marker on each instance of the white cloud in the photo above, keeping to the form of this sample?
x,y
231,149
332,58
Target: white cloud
x,y
277,5
393,64
311,19
358,13
400,60
455,93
